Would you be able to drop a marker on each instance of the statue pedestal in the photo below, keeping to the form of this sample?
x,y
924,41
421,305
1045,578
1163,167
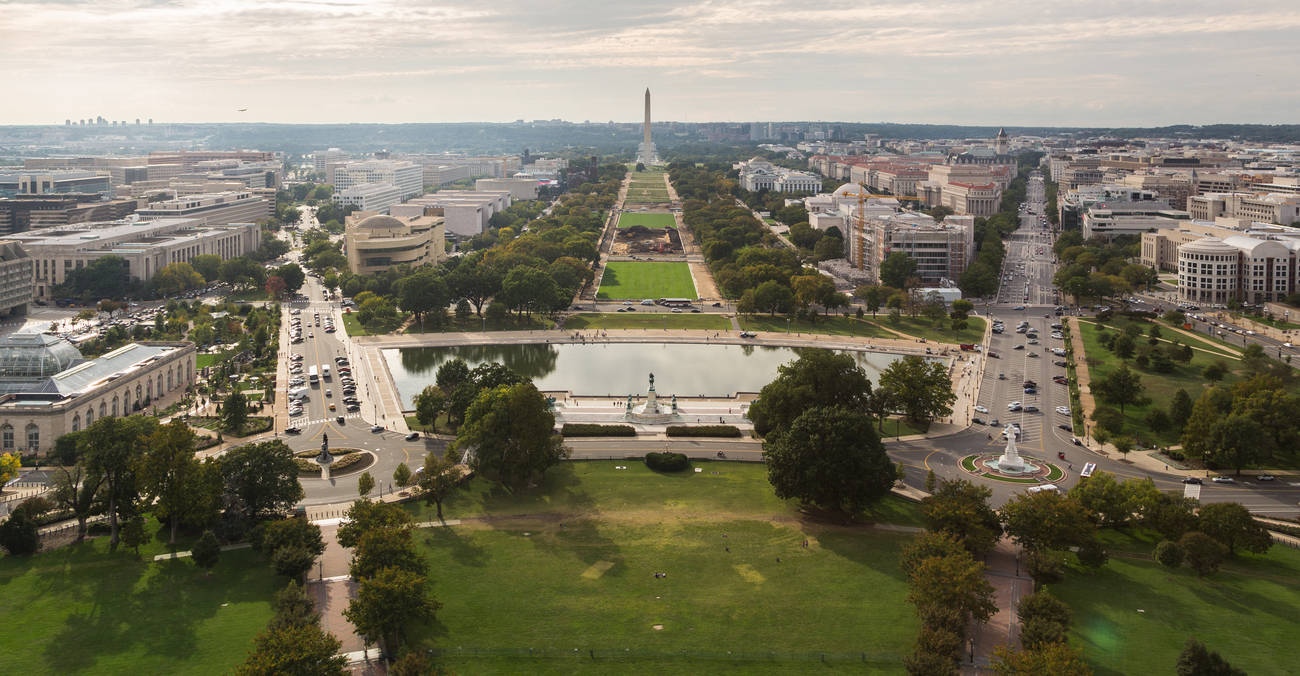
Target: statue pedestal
x,y
325,472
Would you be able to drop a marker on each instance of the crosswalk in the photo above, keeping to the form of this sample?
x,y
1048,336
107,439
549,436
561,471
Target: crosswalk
x,y
302,421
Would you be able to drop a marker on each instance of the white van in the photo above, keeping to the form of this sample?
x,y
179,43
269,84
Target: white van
x,y
1045,488
299,393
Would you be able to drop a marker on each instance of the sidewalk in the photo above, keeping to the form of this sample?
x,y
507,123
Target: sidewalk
x,y
1010,585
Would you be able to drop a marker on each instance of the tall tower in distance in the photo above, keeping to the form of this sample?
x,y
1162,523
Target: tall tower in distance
x,y
646,153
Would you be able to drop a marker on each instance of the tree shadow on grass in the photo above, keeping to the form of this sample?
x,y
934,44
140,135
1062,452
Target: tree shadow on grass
x,y
120,614
464,550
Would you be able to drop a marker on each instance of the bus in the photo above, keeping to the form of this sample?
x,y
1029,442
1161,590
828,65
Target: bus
x,y
325,372
675,302
1045,488
1088,469
312,376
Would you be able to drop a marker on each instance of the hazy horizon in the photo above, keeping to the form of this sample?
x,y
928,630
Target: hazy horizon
x,y
976,63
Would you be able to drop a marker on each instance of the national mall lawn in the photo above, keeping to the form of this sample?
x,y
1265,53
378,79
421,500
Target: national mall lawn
x,y
82,609
571,565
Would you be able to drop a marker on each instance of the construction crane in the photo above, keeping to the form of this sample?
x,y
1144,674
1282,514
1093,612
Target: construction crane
x,y
863,198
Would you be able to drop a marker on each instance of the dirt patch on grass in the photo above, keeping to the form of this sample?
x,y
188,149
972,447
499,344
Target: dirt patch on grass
x,y
596,570
748,573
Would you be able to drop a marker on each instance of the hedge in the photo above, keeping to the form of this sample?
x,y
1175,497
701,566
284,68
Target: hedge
x,y
593,430
703,431
667,462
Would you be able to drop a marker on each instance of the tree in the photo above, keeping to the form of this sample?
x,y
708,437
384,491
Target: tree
x,y
773,297
1046,520
261,479
1123,346
872,296
816,378
10,464
242,271
366,515
828,248
275,286
1123,445
1236,441
509,434
1121,387
926,545
897,269
451,374
921,388
169,473
292,545
365,484
292,607
438,479
1215,371
402,475
952,584
234,413
1104,498
1044,619
1232,526
117,444
411,664
208,265
1198,660
133,533
814,289
176,278
831,458
1169,554
1058,659
429,403
294,650
206,551
1180,408
961,508
385,548
387,603
1202,552
19,535
292,275
78,490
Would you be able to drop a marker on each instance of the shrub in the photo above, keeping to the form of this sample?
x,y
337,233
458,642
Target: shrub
x,y
593,430
703,431
1092,554
18,535
667,462
1203,553
1046,567
1169,554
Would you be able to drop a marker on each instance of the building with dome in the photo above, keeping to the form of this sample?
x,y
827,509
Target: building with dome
x,y
47,389
1213,270
375,242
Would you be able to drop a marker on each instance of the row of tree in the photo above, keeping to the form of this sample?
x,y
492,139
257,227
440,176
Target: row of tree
x,y
1100,267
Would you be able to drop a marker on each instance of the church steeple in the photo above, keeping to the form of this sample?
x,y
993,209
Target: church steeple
x,y
1001,144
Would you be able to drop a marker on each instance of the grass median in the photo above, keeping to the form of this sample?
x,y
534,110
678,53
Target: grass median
x,y
641,279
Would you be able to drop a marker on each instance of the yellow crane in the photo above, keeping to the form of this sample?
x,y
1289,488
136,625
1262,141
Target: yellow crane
x,y
863,197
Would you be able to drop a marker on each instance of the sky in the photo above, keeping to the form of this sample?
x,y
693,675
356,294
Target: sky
x,y
987,62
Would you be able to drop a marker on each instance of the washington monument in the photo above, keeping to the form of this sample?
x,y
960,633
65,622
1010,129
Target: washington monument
x,y
646,153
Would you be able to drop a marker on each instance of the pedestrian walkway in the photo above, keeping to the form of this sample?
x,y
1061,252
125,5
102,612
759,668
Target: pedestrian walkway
x,y
1010,585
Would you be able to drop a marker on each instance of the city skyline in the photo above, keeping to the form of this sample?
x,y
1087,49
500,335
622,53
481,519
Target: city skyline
x,y
1015,64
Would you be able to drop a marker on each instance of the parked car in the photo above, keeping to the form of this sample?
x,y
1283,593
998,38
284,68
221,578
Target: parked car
x,y
982,409
1224,480
1265,477
376,428
292,430
413,436
1192,480
1060,363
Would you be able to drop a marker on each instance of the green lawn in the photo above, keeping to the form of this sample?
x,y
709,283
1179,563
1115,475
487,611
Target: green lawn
x,y
584,548
940,331
84,610
206,360
353,325
628,220
1246,611
833,326
1158,387
638,279
647,320
476,323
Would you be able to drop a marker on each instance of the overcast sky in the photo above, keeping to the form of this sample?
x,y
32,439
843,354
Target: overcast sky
x,y
1006,62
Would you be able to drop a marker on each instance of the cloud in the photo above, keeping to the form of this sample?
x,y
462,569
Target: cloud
x,y
1016,61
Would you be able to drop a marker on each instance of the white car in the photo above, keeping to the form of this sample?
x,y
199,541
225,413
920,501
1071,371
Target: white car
x,y
1014,404
981,409
1063,410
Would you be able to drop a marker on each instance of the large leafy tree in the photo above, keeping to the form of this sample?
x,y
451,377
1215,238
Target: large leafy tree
x,y
1122,387
1198,660
78,490
923,389
234,413
175,278
1234,527
816,378
365,515
294,650
429,403
388,602
1058,659
830,458
1046,520
438,479
261,478
962,509
111,449
169,474
508,435
897,269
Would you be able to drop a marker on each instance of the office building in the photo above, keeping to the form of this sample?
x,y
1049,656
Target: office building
x,y
1272,208
15,183
942,251
32,212
369,197
213,209
47,389
519,188
321,159
1213,271
408,177
146,246
466,212
15,278
376,242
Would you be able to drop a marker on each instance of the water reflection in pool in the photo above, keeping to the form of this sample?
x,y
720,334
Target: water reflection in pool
x,y
615,369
